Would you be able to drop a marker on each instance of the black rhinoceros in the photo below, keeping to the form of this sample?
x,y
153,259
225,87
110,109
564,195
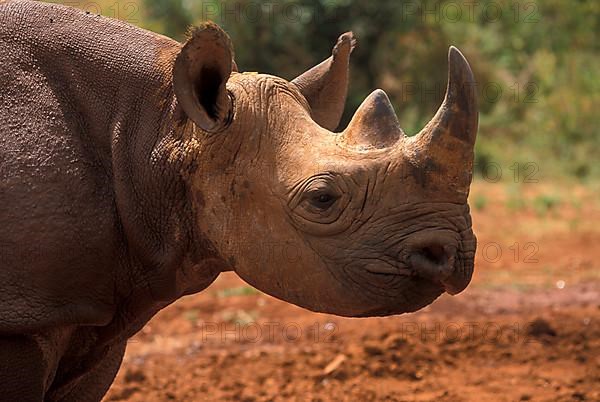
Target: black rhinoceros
x,y
135,169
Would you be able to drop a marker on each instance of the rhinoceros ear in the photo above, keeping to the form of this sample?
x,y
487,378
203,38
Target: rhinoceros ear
x,y
200,74
325,86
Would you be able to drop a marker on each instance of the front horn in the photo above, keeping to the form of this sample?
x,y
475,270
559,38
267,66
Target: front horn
x,y
458,116
448,140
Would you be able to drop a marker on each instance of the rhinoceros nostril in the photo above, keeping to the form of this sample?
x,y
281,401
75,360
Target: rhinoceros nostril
x,y
433,261
435,253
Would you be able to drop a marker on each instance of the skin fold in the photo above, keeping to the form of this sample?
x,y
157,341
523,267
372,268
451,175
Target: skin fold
x,y
134,169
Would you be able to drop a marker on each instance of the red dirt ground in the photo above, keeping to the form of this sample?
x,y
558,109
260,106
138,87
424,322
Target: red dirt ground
x,y
526,329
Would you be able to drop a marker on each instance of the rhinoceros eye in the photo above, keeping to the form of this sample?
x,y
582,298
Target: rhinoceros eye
x,y
322,199
320,196
319,203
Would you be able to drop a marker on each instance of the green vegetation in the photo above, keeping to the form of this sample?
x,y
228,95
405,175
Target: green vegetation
x,y
237,291
545,203
239,316
480,202
191,315
537,63
515,200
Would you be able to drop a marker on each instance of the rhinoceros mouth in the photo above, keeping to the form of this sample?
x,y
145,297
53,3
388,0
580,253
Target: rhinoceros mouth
x,y
455,282
416,294
388,269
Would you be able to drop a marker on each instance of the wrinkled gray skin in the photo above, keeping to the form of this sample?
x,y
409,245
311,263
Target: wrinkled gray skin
x,y
134,169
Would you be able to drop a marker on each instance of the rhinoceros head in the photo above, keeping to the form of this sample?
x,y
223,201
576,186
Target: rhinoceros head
x,y
362,222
